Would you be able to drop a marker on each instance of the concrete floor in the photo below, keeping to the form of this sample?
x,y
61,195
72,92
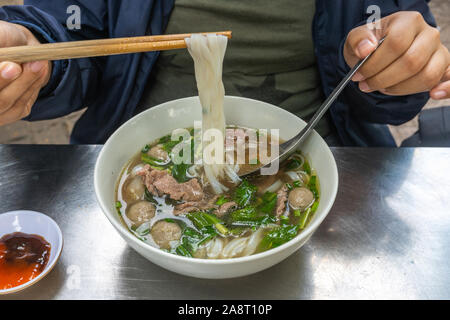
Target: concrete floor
x,y
58,131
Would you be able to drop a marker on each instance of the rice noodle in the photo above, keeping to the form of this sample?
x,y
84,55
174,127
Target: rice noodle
x,y
274,187
253,242
299,157
293,175
214,248
137,169
208,53
234,247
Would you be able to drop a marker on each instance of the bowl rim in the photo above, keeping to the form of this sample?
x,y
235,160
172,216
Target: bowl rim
x,y
51,264
126,233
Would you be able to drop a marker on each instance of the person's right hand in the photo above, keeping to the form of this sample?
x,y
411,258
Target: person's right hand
x,y
19,84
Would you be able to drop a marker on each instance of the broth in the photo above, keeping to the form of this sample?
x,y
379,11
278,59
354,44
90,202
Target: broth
x,y
172,207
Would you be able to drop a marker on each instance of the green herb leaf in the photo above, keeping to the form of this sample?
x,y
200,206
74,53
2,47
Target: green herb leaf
x,y
179,172
221,200
269,201
284,220
248,216
244,193
149,197
202,220
278,236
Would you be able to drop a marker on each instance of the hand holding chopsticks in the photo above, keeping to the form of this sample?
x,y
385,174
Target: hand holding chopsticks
x,y
96,48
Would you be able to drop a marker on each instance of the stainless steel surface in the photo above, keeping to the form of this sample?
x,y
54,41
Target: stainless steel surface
x,y
287,148
387,236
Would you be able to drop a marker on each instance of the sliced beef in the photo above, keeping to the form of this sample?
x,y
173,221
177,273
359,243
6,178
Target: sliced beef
x,y
225,208
281,201
160,182
190,206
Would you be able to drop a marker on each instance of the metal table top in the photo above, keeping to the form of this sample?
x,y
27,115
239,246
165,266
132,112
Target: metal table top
x,y
387,236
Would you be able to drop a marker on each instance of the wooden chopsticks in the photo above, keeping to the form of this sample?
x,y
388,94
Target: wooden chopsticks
x,y
96,48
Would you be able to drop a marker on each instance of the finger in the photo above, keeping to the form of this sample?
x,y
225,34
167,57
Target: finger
x,y
408,65
442,90
360,43
22,107
9,71
426,79
400,34
31,73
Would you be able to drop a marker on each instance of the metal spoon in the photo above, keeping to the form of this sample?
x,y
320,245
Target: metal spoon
x,y
289,147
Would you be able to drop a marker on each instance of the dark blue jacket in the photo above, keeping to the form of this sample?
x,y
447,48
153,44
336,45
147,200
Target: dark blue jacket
x,y
111,87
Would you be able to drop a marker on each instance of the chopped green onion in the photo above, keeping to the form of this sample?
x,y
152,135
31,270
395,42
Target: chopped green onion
x,y
296,183
284,220
118,205
149,197
293,164
297,213
315,206
312,185
145,149
304,218
182,251
155,163
307,168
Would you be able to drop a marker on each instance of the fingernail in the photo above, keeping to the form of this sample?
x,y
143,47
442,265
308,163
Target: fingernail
x,y
440,95
358,77
364,86
37,66
365,47
10,71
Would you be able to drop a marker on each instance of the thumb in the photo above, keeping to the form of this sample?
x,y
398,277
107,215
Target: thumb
x,y
12,35
360,43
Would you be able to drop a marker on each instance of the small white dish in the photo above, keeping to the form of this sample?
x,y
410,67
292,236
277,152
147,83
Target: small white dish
x,y
32,222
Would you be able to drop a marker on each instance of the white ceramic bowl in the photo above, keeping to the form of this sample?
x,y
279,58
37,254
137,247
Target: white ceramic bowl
x,y
33,222
161,120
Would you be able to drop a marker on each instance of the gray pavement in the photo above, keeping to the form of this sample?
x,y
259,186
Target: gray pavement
x,y
57,131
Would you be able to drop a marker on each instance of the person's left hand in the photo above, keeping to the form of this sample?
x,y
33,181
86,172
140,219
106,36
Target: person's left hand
x,y
412,58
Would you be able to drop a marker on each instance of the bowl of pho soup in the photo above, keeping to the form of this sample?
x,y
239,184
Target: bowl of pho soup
x,y
169,180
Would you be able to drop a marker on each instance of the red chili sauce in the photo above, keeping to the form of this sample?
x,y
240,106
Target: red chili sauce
x,y
22,258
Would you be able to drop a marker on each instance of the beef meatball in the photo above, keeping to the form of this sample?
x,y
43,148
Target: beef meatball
x,y
133,189
300,198
157,152
164,232
141,212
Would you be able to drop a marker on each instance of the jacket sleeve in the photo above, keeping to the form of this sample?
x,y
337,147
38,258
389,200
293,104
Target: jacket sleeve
x,y
376,107
73,82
